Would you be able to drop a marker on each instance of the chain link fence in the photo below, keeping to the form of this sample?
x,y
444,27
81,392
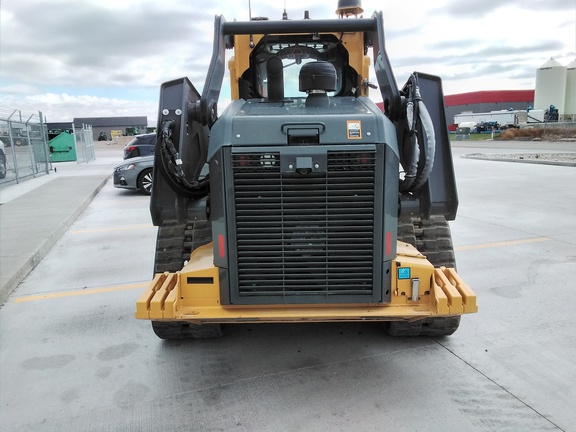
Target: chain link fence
x,y
24,151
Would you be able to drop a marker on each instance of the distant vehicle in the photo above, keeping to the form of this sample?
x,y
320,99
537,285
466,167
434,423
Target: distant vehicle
x,y
141,145
19,138
2,161
503,118
102,136
135,173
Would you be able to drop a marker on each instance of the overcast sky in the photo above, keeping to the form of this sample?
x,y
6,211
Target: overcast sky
x,y
101,58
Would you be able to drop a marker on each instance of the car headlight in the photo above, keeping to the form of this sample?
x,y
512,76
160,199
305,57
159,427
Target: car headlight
x,y
126,167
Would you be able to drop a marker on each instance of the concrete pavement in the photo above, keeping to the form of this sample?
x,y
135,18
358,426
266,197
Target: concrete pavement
x,y
35,213
72,356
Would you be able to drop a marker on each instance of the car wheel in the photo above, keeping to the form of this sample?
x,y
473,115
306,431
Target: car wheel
x,y
2,166
145,181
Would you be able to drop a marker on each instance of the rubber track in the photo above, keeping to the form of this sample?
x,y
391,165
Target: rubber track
x,y
174,244
432,238
176,330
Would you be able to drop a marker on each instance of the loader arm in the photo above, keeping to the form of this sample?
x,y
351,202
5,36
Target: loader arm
x,y
205,111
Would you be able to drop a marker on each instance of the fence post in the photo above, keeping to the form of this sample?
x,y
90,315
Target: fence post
x,y
44,136
33,163
13,147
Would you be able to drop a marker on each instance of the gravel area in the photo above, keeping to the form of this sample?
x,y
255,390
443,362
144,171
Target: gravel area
x,y
565,159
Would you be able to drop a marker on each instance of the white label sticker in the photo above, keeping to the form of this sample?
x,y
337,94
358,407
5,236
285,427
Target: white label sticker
x,y
354,128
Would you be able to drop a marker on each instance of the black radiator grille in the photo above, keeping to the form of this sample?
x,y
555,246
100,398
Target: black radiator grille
x,y
304,235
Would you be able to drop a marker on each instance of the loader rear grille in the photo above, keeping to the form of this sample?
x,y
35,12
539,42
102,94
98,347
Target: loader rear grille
x,y
305,235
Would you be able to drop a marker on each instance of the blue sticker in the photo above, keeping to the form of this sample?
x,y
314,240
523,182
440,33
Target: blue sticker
x,y
403,272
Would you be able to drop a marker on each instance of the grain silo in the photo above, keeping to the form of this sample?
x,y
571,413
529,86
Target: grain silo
x,y
550,86
570,102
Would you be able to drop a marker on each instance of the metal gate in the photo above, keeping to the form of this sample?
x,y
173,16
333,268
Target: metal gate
x,y
24,152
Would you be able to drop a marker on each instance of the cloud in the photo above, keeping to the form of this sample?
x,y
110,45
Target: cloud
x,y
71,58
18,89
478,9
81,43
65,107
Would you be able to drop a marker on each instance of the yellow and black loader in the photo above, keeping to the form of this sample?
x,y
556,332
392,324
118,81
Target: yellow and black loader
x,y
303,201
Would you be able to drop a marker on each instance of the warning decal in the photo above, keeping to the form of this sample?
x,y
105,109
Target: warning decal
x,y
354,128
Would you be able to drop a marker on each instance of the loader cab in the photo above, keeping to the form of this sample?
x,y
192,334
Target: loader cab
x,y
250,72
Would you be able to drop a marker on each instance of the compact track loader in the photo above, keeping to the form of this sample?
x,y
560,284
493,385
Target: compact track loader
x,y
303,201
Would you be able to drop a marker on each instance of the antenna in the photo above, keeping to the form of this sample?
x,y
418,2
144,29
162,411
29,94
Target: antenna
x,y
284,14
249,10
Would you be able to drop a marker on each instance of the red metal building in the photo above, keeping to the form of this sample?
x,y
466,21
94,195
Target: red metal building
x,y
485,101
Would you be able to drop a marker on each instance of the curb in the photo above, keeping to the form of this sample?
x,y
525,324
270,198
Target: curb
x,y
528,161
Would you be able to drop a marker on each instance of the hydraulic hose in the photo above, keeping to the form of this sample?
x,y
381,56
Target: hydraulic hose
x,y
412,170
418,170
430,141
172,165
